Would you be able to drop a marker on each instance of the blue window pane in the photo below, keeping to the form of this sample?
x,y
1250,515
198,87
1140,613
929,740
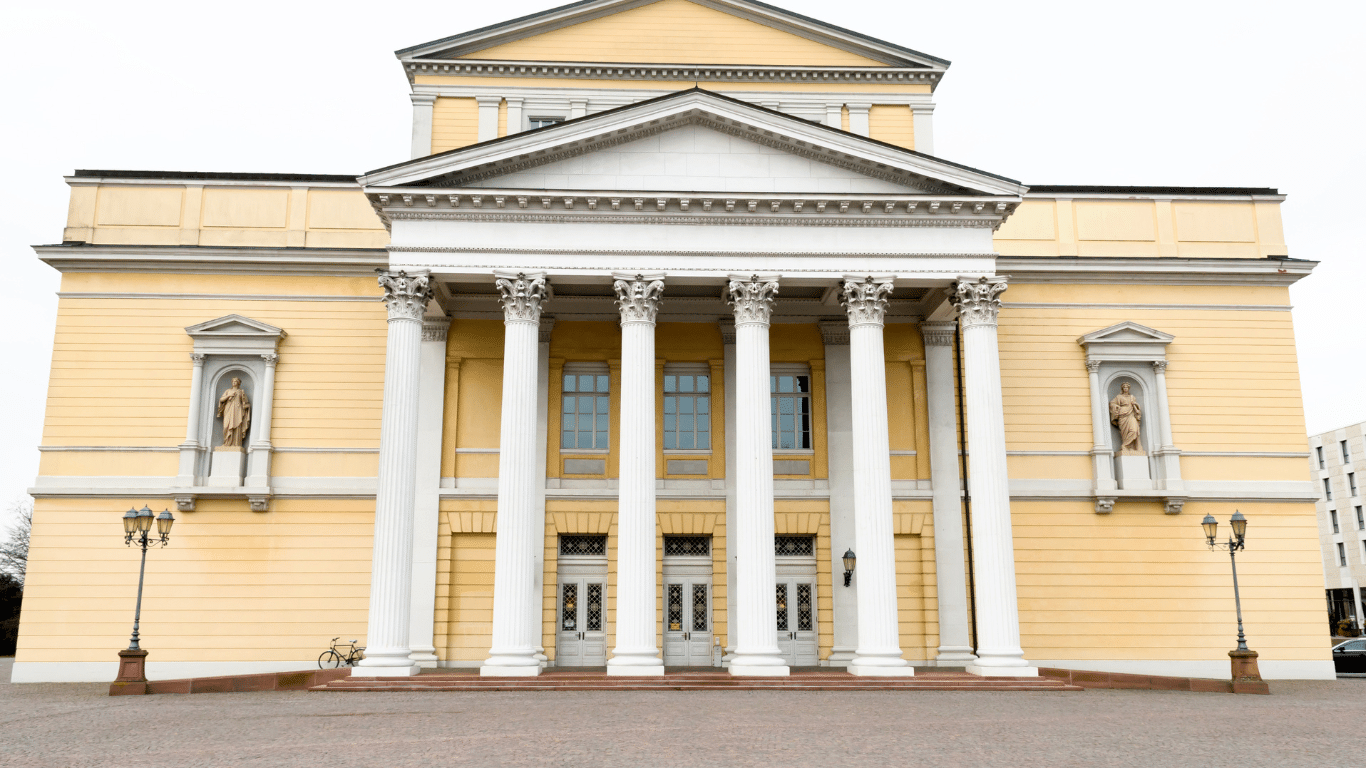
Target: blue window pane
x,y
784,383
602,423
703,436
671,404
567,439
703,383
669,439
670,383
670,421
569,383
685,440
685,423
785,406
602,383
568,424
685,404
585,405
774,429
585,384
685,383
602,405
602,440
585,422
772,383
703,405
568,404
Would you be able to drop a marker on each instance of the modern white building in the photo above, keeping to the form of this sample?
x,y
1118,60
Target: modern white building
x,y
1338,461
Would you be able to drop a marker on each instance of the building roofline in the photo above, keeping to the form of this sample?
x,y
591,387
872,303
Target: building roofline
x,y
82,173
1055,189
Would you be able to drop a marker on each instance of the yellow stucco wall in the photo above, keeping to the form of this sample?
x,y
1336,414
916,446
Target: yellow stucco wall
x,y
673,31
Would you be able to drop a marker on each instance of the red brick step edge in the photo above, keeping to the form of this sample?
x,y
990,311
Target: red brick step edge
x,y
271,681
1152,682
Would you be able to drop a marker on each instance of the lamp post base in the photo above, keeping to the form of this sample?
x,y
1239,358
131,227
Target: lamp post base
x,y
1244,664
132,679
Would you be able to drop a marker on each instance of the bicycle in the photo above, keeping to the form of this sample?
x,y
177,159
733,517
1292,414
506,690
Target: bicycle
x,y
333,658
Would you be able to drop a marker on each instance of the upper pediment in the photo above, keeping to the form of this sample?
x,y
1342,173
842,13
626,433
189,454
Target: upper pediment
x,y
234,326
693,141
1127,332
733,32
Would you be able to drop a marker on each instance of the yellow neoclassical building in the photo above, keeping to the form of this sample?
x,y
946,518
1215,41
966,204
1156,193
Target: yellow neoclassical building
x,y
685,349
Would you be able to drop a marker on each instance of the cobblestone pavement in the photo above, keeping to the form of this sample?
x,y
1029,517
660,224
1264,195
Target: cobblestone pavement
x,y
77,725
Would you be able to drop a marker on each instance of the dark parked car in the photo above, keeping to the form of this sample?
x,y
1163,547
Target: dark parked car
x,y
1350,656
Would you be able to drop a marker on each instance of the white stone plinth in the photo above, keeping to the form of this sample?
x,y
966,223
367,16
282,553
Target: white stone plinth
x,y
1133,473
863,670
229,464
406,671
621,670
981,671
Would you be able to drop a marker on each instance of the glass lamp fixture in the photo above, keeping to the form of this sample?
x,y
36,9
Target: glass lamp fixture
x,y
1211,527
850,560
1239,524
145,517
164,523
130,523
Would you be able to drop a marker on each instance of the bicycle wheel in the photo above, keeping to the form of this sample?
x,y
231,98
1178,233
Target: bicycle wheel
x,y
329,660
355,657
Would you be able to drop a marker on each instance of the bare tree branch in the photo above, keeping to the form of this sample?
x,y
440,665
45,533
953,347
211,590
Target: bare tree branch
x,y
14,549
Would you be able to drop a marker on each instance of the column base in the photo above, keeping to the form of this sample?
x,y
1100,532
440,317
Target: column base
x,y
522,671
424,659
627,670
407,671
954,656
740,669
980,671
840,657
861,670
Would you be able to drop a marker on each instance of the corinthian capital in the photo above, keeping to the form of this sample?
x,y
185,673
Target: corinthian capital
x,y
865,300
521,296
979,301
752,297
638,297
405,295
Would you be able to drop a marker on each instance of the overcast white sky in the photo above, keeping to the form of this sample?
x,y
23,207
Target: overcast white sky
x,y
1182,93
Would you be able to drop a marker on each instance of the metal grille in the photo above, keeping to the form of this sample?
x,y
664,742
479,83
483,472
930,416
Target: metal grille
x,y
803,607
583,545
691,546
675,607
699,607
794,546
569,608
782,607
592,620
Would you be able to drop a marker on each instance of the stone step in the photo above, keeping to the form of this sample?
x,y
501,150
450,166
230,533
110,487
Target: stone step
x,y
694,682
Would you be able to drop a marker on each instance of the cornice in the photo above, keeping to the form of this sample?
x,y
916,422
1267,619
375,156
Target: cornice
x,y
1154,270
767,210
346,262
710,73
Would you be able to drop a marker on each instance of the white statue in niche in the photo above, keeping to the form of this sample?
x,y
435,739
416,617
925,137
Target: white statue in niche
x,y
1126,415
235,411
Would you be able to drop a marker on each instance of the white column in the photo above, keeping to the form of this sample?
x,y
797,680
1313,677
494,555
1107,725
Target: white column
x,y
879,632
427,500
258,453
839,441
1102,455
514,114
423,104
1167,455
636,652
727,327
189,450
922,123
955,640
391,568
756,646
858,118
834,117
516,635
488,116
543,332
993,545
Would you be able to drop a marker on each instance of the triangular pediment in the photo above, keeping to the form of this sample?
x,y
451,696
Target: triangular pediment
x,y
695,141
1126,333
234,326
734,32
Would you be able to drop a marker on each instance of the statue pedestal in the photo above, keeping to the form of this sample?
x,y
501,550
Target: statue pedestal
x,y
1133,473
227,467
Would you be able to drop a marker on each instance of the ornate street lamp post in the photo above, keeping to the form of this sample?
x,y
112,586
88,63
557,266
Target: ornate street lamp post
x,y
137,525
1244,661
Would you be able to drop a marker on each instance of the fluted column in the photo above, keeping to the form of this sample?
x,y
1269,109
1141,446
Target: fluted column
x,y
998,617
516,634
756,644
879,643
258,461
636,652
189,450
391,568
951,588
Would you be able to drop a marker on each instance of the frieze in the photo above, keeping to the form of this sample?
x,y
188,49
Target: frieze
x,y
722,219
472,68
